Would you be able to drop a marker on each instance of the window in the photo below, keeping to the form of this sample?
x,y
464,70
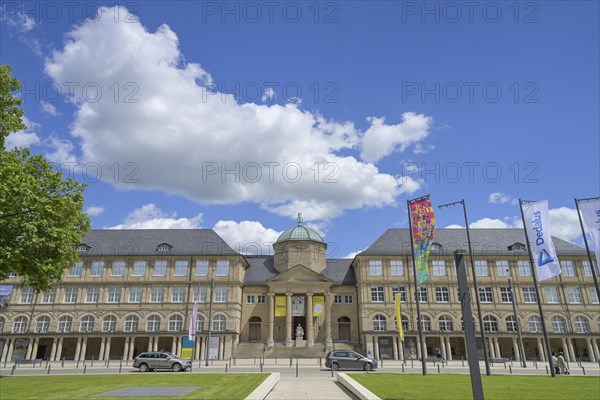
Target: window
x,y
221,294
200,294
76,269
425,323
20,325
160,268
87,324
490,324
220,323
135,294
200,323
97,268
551,295
92,295
397,268
118,268
201,268
568,269
2,321
71,295
529,295
114,295
379,323
524,268
502,268
49,296
131,323
27,295
164,247
178,294
422,294
175,323
582,325
506,294
222,268
109,324
486,295
377,295
535,324
442,295
337,299
249,299
375,268
559,325
181,268
153,324
64,324
42,324
446,324
405,324
574,295
436,246
511,323
439,267
593,295
587,270
348,299
139,268
261,299
481,268
401,290
157,294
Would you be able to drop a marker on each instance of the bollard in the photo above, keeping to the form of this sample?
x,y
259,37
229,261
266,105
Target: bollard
x,y
34,363
13,369
120,367
511,362
535,362
438,368
583,369
108,362
332,370
229,362
411,363
546,369
402,368
92,364
62,364
77,366
84,368
191,366
47,361
199,362
462,358
510,368
5,362
261,367
290,361
381,362
225,367
296,367
504,364
49,366
234,361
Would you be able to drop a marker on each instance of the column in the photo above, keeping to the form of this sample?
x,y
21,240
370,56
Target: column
x,y
288,320
395,346
516,350
5,349
59,349
401,350
174,345
591,350
150,340
101,353
566,350
491,347
9,352
418,349
107,348
375,348
178,346
30,348
571,350
328,339
448,350
126,349
443,347
595,347
310,340
497,348
541,350
77,349
270,341
35,348
203,348
197,349
83,348
155,343
131,349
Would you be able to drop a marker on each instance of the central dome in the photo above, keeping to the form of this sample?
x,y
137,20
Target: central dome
x,y
299,232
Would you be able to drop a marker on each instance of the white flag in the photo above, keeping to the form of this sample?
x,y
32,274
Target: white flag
x,y
537,225
193,320
590,211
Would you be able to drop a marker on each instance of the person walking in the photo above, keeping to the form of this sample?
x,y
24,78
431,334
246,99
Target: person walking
x,y
555,364
439,356
562,364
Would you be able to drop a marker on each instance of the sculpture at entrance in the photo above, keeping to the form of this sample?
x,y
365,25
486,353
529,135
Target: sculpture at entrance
x,y
299,332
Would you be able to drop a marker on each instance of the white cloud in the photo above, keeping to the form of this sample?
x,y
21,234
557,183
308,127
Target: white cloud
x,y
24,138
62,153
565,223
499,197
94,211
455,226
489,223
353,254
184,137
149,216
49,108
247,237
16,19
268,95
381,140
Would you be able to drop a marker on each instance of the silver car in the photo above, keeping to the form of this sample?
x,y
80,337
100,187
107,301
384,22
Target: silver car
x,y
347,359
153,360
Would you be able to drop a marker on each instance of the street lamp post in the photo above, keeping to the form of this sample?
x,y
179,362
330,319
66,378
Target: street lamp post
x,y
212,294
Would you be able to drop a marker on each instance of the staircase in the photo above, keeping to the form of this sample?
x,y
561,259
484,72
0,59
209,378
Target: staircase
x,y
281,351
249,350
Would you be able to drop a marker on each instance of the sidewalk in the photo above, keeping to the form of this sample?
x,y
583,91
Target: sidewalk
x,y
309,387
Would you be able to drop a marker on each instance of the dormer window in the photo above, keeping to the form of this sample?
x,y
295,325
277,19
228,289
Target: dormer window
x,y
82,248
164,247
516,247
436,246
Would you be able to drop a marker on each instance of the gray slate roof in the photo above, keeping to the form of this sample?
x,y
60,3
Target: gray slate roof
x,y
484,242
132,242
261,269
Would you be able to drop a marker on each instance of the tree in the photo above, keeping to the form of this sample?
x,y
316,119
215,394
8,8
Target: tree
x,y
41,214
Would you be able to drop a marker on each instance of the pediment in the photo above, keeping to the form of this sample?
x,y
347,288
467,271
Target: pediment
x,y
299,274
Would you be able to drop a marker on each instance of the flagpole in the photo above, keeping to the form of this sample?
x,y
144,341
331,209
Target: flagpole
x,y
420,328
210,307
518,323
587,247
537,293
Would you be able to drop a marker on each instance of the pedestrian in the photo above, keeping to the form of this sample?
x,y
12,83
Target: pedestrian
x,y
562,364
439,356
555,364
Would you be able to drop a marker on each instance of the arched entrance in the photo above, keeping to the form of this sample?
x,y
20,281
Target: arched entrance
x,y
254,332
344,332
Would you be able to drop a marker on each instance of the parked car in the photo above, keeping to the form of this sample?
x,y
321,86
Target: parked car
x,y
160,360
347,359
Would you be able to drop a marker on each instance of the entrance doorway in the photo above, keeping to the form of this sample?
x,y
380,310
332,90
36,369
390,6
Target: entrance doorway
x,y
298,321
386,348
344,328
254,329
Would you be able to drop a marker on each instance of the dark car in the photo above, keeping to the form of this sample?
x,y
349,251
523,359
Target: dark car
x,y
160,360
348,359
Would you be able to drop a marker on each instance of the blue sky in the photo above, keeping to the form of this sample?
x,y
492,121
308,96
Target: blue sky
x,y
236,116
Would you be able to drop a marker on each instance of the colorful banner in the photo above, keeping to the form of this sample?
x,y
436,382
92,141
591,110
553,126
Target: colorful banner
x,y
590,212
193,320
280,304
399,317
187,348
318,306
5,294
422,224
298,306
537,225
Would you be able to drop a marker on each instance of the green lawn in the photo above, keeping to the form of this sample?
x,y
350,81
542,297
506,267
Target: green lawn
x,y
212,386
495,387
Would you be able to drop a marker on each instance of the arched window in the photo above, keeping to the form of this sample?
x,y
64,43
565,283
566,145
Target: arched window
x,y
559,325
87,324
109,324
153,323
490,323
175,323
379,323
535,324
2,321
219,323
405,323
582,325
425,323
511,323
255,319
344,319
64,324
42,324
20,325
200,323
446,323
131,323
